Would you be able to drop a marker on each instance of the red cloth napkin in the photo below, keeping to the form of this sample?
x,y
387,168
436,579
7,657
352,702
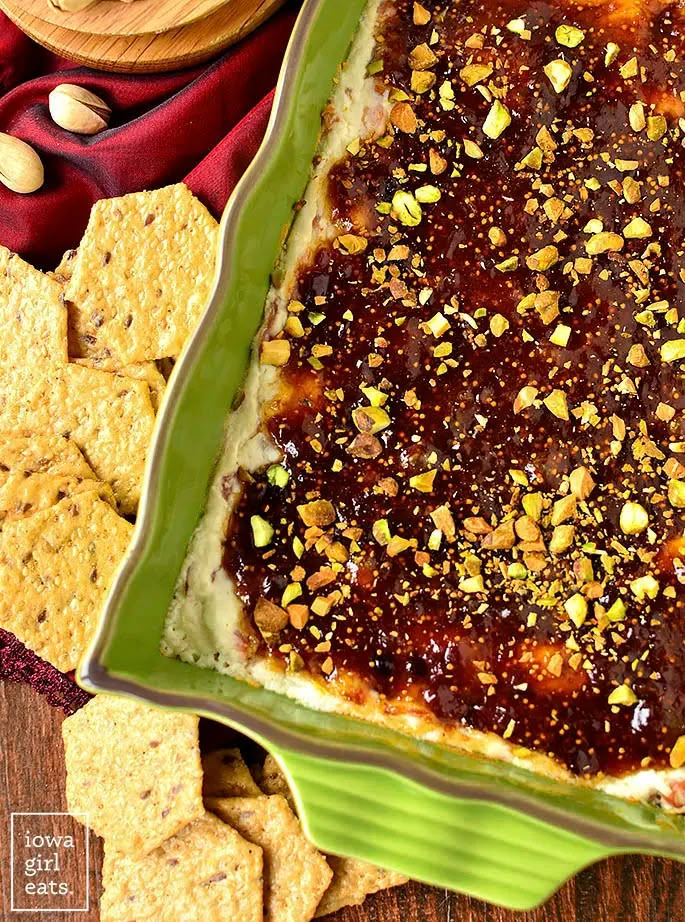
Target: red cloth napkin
x,y
202,125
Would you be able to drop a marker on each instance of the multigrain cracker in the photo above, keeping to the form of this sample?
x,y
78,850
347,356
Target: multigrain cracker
x,y
227,775
272,780
142,276
55,569
34,453
296,875
65,270
33,321
23,494
134,770
205,872
108,416
140,371
353,881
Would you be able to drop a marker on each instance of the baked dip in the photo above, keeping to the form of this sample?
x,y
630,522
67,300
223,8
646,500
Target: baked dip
x,y
451,500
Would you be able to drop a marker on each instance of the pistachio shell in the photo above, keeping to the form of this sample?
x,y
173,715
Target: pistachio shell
x,y
77,109
21,169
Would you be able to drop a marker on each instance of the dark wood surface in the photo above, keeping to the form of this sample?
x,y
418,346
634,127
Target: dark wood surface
x,y
32,776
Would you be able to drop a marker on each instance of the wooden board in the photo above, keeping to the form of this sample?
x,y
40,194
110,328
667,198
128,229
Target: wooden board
x,y
176,48
113,17
627,889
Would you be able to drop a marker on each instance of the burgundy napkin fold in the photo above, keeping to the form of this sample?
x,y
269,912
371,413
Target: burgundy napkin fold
x,y
202,125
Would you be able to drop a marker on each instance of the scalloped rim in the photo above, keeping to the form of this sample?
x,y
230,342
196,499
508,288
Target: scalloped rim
x,y
94,676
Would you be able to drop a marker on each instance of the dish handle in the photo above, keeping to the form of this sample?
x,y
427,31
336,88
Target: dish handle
x,y
478,847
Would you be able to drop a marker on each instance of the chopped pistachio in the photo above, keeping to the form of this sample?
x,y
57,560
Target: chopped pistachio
x,y
438,325
274,352
562,538
422,16
525,398
559,73
422,81
277,475
677,754
532,160
645,587
676,493
633,519
472,150
381,531
557,404
376,397
576,609
407,209
497,236
427,194
497,121
630,69
623,695
262,532
561,335
423,482
370,419
475,73
352,243
569,36
532,505
422,57
517,571
472,584
581,483
510,264
603,242
673,350
611,54
291,592
498,325
637,229
543,259
637,357
636,116
617,612
656,127
319,512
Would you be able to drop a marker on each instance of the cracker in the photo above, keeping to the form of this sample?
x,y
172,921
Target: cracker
x,y
296,875
227,775
65,270
142,276
354,880
205,872
33,321
139,371
55,569
41,454
108,416
135,770
272,781
23,494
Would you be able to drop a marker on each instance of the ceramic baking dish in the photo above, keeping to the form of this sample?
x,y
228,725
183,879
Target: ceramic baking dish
x,y
454,820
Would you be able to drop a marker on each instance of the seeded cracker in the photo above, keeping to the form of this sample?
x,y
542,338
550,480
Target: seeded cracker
x,y
135,770
65,270
34,327
142,276
41,454
23,494
110,418
353,881
139,371
296,875
205,872
55,568
227,775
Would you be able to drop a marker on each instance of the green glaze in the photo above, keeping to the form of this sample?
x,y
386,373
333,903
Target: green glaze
x,y
459,821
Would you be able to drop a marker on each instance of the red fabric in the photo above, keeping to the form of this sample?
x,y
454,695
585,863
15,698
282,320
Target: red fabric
x,y
202,125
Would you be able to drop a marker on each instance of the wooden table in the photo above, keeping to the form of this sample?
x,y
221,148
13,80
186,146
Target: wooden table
x,y
32,773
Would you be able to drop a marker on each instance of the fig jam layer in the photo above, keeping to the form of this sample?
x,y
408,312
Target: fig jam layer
x,y
481,412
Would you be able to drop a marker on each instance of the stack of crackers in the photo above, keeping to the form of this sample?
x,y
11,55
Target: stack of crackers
x,y
84,357
191,837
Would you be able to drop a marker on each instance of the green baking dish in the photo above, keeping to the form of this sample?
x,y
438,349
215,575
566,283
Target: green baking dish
x,y
459,821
